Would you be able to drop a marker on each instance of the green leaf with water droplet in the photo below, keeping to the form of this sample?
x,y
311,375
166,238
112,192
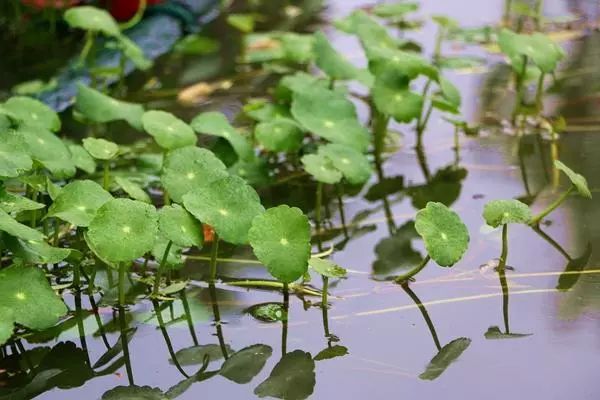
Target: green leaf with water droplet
x,y
228,205
92,19
280,238
242,366
216,124
123,230
279,135
267,312
446,236
321,168
500,212
28,294
9,225
100,108
135,191
446,356
169,131
353,165
82,159
101,149
392,96
576,179
178,226
292,378
12,203
78,202
330,115
189,167
327,268
33,113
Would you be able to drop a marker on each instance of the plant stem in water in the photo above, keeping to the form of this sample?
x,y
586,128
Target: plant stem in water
x,y
165,333
160,269
424,313
125,345
538,218
324,291
404,278
214,250
217,318
380,124
502,276
319,199
122,284
340,198
284,320
188,316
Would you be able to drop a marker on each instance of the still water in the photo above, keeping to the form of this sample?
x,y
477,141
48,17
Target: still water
x,y
542,342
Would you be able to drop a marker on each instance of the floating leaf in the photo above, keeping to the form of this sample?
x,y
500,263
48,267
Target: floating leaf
x,y
446,356
353,165
12,203
48,150
195,355
321,168
134,190
293,378
9,225
331,352
28,294
494,333
92,19
216,124
327,268
576,179
267,312
33,113
101,149
82,159
189,167
279,135
228,205
100,108
500,212
123,230
134,393
446,236
242,366
78,202
14,157
330,115
392,96
178,226
280,238
169,131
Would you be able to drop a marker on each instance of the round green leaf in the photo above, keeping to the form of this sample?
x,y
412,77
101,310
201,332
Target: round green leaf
x,y
169,131
500,212
7,320
327,268
78,202
36,251
14,157
48,150
82,159
9,225
178,226
189,167
12,203
280,238
33,112
576,179
330,61
330,115
392,96
351,163
134,190
101,149
279,135
245,364
216,124
446,237
321,168
228,205
28,294
92,19
100,108
195,355
539,48
123,230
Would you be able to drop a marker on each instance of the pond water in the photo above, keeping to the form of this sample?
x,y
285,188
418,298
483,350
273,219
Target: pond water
x,y
542,339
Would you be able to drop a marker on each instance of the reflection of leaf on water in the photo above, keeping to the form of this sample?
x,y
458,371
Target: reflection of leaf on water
x,y
181,387
331,352
494,332
174,313
395,255
134,393
266,312
113,351
446,356
195,355
570,276
293,378
244,365
443,187
384,188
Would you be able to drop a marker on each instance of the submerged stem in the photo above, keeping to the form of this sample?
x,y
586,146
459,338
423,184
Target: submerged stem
x,y
425,315
217,318
538,218
163,329
125,344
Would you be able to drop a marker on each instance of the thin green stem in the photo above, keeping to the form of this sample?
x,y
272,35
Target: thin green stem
x,y
319,199
504,254
188,316
125,344
424,313
540,93
340,198
160,269
324,291
380,124
90,37
538,218
137,16
404,278
456,146
284,319
214,251
122,271
217,318
165,334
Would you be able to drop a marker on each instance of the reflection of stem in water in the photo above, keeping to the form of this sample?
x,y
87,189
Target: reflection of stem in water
x,y
160,269
340,198
456,146
554,205
324,291
326,323
425,314
318,201
380,124
543,156
284,319
389,216
524,174
80,327
217,318
161,325
552,242
422,158
502,275
214,251
125,344
188,316
98,321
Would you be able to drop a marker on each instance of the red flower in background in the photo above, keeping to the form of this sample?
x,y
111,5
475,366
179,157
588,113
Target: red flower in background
x,y
123,10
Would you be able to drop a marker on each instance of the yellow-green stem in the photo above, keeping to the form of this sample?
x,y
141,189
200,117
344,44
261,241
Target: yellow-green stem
x,y
213,258
538,218
160,269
